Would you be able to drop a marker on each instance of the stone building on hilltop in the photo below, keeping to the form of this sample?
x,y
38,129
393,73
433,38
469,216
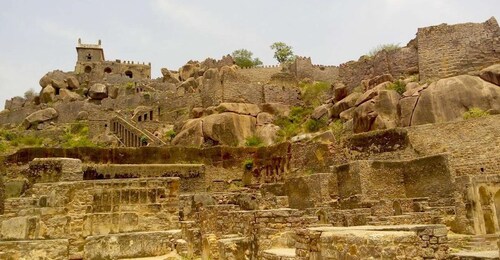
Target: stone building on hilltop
x,y
92,65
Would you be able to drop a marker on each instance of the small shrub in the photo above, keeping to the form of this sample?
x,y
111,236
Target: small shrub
x,y
383,47
313,94
30,94
8,135
358,89
169,135
3,146
76,135
248,164
398,85
475,112
314,125
337,128
144,140
30,140
292,125
254,141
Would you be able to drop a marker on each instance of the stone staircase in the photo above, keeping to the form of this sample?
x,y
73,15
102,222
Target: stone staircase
x,y
90,219
131,134
482,243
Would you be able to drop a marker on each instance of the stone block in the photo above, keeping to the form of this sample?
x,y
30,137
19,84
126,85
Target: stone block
x,y
20,228
42,170
131,245
56,249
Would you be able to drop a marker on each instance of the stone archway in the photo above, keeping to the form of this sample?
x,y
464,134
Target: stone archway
x,y
129,74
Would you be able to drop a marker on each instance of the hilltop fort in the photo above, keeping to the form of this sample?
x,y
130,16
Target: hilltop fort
x,y
393,156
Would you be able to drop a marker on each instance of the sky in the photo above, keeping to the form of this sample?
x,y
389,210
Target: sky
x,y
40,36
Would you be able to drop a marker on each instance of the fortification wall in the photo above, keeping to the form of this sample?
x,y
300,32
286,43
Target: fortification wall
x,y
259,74
450,50
398,63
303,68
473,145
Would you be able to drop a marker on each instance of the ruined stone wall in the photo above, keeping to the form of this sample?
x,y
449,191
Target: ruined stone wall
x,y
472,144
76,210
259,74
450,50
428,242
303,68
399,62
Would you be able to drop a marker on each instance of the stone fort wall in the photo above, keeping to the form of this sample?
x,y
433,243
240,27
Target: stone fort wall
x,y
450,50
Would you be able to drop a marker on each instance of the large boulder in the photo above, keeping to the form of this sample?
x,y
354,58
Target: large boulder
x,y
322,112
168,76
59,79
491,74
268,133
48,94
191,69
238,108
448,99
40,116
191,134
380,112
340,91
344,104
68,95
276,109
98,91
228,128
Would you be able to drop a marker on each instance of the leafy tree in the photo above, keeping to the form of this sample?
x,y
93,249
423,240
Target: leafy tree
x,y
243,58
282,52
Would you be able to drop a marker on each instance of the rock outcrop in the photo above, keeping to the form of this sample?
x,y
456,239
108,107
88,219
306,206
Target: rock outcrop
x,y
41,116
448,99
98,91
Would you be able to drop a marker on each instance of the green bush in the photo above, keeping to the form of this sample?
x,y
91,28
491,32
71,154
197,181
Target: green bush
x,y
383,47
337,128
292,125
3,146
7,135
248,164
76,135
253,141
398,85
475,112
169,135
314,125
313,94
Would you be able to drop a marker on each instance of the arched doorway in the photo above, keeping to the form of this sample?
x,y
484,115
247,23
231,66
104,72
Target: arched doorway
x,y
108,70
129,74
88,69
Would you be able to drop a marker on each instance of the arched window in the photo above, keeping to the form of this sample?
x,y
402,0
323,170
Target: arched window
x,y
107,70
88,69
129,74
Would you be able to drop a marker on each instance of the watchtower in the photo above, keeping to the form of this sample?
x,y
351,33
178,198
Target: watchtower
x,y
89,52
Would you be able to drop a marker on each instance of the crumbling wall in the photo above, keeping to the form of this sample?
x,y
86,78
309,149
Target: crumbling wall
x,y
450,50
399,63
472,144
303,68
259,74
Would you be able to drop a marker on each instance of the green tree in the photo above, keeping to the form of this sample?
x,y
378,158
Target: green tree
x,y
243,58
282,52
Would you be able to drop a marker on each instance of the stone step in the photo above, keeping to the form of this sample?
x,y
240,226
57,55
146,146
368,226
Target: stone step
x,y
56,249
131,245
279,254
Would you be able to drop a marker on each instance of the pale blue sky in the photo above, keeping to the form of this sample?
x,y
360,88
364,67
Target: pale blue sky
x,y
40,36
